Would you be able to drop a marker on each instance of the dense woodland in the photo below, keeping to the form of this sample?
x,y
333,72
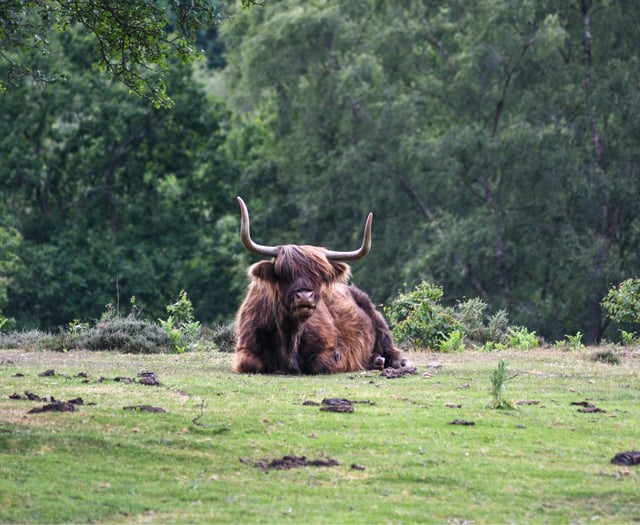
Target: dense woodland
x,y
496,142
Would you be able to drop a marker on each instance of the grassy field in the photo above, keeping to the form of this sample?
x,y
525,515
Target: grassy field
x,y
207,457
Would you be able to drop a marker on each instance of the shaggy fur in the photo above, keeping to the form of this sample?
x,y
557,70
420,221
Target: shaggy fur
x,y
300,316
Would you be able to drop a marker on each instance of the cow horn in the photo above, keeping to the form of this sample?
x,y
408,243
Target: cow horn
x,y
272,251
245,234
360,252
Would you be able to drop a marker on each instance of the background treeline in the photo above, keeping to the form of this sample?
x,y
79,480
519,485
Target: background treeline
x,y
496,143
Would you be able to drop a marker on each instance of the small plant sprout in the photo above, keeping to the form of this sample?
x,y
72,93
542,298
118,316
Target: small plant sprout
x,y
519,337
453,342
628,338
575,341
498,387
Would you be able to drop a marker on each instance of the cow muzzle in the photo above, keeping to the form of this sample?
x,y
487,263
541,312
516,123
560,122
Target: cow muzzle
x,y
304,304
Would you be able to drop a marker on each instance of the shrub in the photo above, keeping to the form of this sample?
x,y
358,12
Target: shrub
x,y
33,340
478,327
606,356
418,319
622,302
182,330
125,334
224,337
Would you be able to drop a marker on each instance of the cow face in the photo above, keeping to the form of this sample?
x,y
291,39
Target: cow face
x,y
297,275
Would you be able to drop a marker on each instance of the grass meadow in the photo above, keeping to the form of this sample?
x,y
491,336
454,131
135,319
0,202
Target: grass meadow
x,y
424,448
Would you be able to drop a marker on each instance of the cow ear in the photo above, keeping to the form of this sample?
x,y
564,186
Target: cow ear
x,y
342,271
264,270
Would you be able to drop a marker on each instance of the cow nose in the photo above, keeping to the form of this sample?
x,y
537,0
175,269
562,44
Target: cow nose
x,y
303,295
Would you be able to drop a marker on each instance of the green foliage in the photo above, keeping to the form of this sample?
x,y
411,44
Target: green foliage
x,y
498,387
457,124
575,341
132,42
453,342
571,342
418,319
622,302
480,328
112,196
628,338
521,338
10,263
181,327
499,159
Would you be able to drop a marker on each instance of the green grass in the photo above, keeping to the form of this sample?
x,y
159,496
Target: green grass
x,y
541,463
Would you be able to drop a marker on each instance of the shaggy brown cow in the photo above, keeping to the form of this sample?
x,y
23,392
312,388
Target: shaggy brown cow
x,y
299,316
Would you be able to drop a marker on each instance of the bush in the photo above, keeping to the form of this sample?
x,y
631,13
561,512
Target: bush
x,y
224,337
182,330
622,302
480,328
125,334
33,340
418,319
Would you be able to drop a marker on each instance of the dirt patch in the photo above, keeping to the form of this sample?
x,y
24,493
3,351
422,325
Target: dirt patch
x,y
291,462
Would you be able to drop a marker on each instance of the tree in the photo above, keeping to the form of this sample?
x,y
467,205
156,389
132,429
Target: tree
x,y
114,197
493,141
133,42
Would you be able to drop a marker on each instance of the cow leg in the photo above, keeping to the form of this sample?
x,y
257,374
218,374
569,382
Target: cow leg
x,y
245,362
383,346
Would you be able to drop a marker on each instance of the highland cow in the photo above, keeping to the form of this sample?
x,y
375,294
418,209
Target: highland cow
x,y
300,316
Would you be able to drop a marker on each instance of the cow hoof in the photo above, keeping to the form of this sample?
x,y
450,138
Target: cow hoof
x,y
404,362
336,356
378,362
